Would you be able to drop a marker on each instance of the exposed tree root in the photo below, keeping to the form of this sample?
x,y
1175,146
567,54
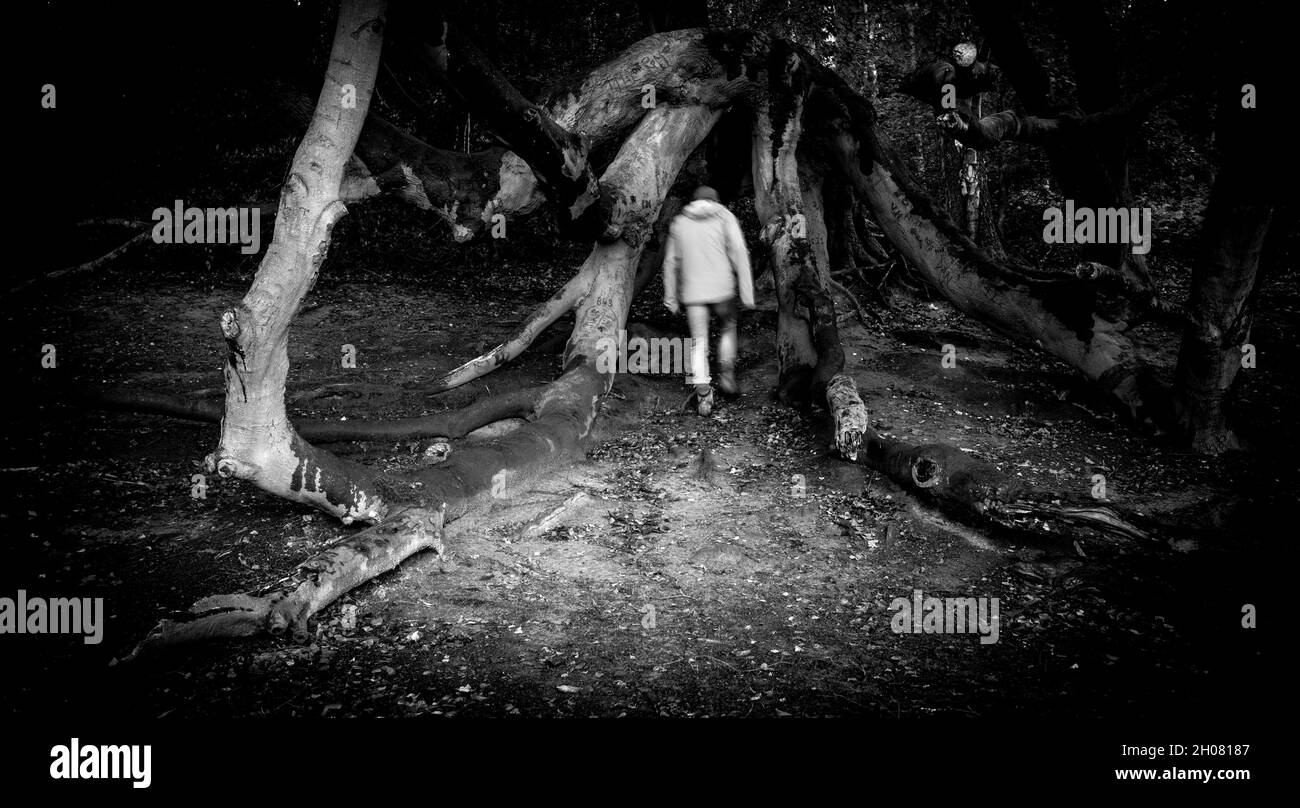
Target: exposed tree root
x,y
544,522
852,298
980,494
455,423
287,604
190,408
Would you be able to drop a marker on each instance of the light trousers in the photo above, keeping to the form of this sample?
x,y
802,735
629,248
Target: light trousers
x,y
697,318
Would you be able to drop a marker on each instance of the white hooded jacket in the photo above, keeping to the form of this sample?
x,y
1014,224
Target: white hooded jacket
x,y
705,260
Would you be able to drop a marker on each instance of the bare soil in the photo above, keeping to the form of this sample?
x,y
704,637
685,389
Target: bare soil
x,y
692,579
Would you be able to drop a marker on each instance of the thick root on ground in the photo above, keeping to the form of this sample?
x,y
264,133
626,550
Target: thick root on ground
x,y
451,424
980,493
287,605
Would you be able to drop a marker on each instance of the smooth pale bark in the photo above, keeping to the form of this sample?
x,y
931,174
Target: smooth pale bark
x,y
1069,319
681,69
258,442
682,66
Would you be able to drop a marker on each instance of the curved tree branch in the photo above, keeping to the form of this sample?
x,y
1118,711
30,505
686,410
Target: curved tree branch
x,y
561,303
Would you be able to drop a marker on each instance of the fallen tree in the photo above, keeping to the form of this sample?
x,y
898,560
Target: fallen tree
x,y
804,125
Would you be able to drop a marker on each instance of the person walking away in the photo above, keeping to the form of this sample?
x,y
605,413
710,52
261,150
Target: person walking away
x,y
706,267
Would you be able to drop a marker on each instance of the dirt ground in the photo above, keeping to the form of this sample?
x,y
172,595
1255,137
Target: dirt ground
x,y
688,579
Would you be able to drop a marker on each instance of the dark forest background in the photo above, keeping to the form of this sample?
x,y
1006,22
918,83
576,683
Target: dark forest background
x,y
165,101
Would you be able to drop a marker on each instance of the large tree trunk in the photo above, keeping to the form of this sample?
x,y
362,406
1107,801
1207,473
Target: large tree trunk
x,y
779,205
258,443
788,201
1216,345
1224,281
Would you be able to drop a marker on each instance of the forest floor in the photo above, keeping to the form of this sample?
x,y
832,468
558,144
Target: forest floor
x,y
690,579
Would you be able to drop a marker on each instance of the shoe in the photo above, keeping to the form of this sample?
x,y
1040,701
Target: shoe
x,y
704,399
727,382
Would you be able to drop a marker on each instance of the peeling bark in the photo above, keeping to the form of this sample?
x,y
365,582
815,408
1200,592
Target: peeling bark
x,y
788,200
779,203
